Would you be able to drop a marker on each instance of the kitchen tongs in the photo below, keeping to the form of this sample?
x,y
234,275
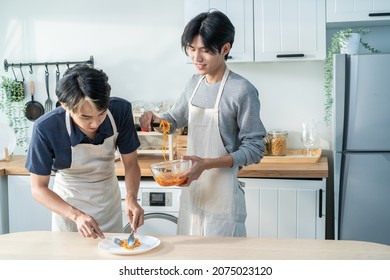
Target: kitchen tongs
x,y
156,127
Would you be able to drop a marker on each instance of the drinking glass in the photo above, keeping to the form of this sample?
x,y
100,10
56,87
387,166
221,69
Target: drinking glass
x,y
308,136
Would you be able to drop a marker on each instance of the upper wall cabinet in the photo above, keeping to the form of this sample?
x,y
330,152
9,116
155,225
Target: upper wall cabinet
x,y
349,11
240,12
289,30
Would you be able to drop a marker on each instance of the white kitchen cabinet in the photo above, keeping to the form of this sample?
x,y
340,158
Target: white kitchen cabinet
x,y
271,30
339,11
240,12
285,208
25,213
289,30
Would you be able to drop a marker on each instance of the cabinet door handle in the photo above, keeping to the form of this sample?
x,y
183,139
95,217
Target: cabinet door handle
x,y
290,55
379,14
320,204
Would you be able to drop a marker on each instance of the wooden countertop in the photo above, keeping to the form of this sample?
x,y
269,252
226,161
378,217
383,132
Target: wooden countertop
x,y
262,170
14,167
69,246
275,170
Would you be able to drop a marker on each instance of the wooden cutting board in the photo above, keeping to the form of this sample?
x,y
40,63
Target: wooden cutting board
x,y
295,156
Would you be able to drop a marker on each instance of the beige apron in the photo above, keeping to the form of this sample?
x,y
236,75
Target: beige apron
x,y
213,205
90,184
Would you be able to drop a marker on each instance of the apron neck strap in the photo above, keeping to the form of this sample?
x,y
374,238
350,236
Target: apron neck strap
x,y
69,129
67,122
221,87
220,90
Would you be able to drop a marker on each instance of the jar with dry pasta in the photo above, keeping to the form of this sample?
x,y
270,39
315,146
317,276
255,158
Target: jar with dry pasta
x,y
278,142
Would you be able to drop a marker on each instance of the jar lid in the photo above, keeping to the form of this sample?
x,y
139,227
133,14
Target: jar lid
x,y
278,133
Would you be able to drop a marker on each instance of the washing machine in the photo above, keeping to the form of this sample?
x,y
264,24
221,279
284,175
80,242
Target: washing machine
x,y
160,204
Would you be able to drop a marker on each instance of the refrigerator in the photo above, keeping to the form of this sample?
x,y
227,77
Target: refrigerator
x,y
361,147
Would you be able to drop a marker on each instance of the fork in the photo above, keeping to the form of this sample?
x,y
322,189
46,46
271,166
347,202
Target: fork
x,y
117,241
130,240
48,103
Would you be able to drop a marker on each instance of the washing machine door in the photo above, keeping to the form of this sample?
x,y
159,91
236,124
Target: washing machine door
x,y
156,223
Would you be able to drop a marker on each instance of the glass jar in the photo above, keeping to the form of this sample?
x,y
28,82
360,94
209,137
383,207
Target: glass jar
x,y
277,142
267,146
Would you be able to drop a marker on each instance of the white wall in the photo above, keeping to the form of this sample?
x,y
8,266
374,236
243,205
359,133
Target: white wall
x,y
289,93
138,44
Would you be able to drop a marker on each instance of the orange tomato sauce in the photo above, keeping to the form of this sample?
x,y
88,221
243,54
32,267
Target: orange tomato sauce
x,y
168,180
137,243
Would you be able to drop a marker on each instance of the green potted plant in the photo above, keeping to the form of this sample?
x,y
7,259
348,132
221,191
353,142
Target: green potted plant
x,y
12,105
338,44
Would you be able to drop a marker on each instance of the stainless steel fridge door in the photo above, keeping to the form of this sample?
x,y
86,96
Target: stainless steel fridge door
x,y
367,120
365,197
339,85
337,156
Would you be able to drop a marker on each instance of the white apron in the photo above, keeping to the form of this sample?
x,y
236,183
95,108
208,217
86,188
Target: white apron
x,y
213,205
90,184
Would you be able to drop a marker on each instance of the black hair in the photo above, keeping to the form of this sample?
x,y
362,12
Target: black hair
x,y
83,81
213,27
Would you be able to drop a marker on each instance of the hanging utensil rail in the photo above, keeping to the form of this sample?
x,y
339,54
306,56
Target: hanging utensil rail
x,y
20,65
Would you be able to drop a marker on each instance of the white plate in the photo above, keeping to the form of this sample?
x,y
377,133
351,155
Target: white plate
x,y
147,243
7,140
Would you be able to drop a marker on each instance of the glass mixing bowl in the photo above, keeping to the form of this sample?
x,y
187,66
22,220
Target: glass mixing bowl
x,y
167,173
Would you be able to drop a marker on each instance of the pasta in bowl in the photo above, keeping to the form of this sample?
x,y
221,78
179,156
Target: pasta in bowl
x,y
167,173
